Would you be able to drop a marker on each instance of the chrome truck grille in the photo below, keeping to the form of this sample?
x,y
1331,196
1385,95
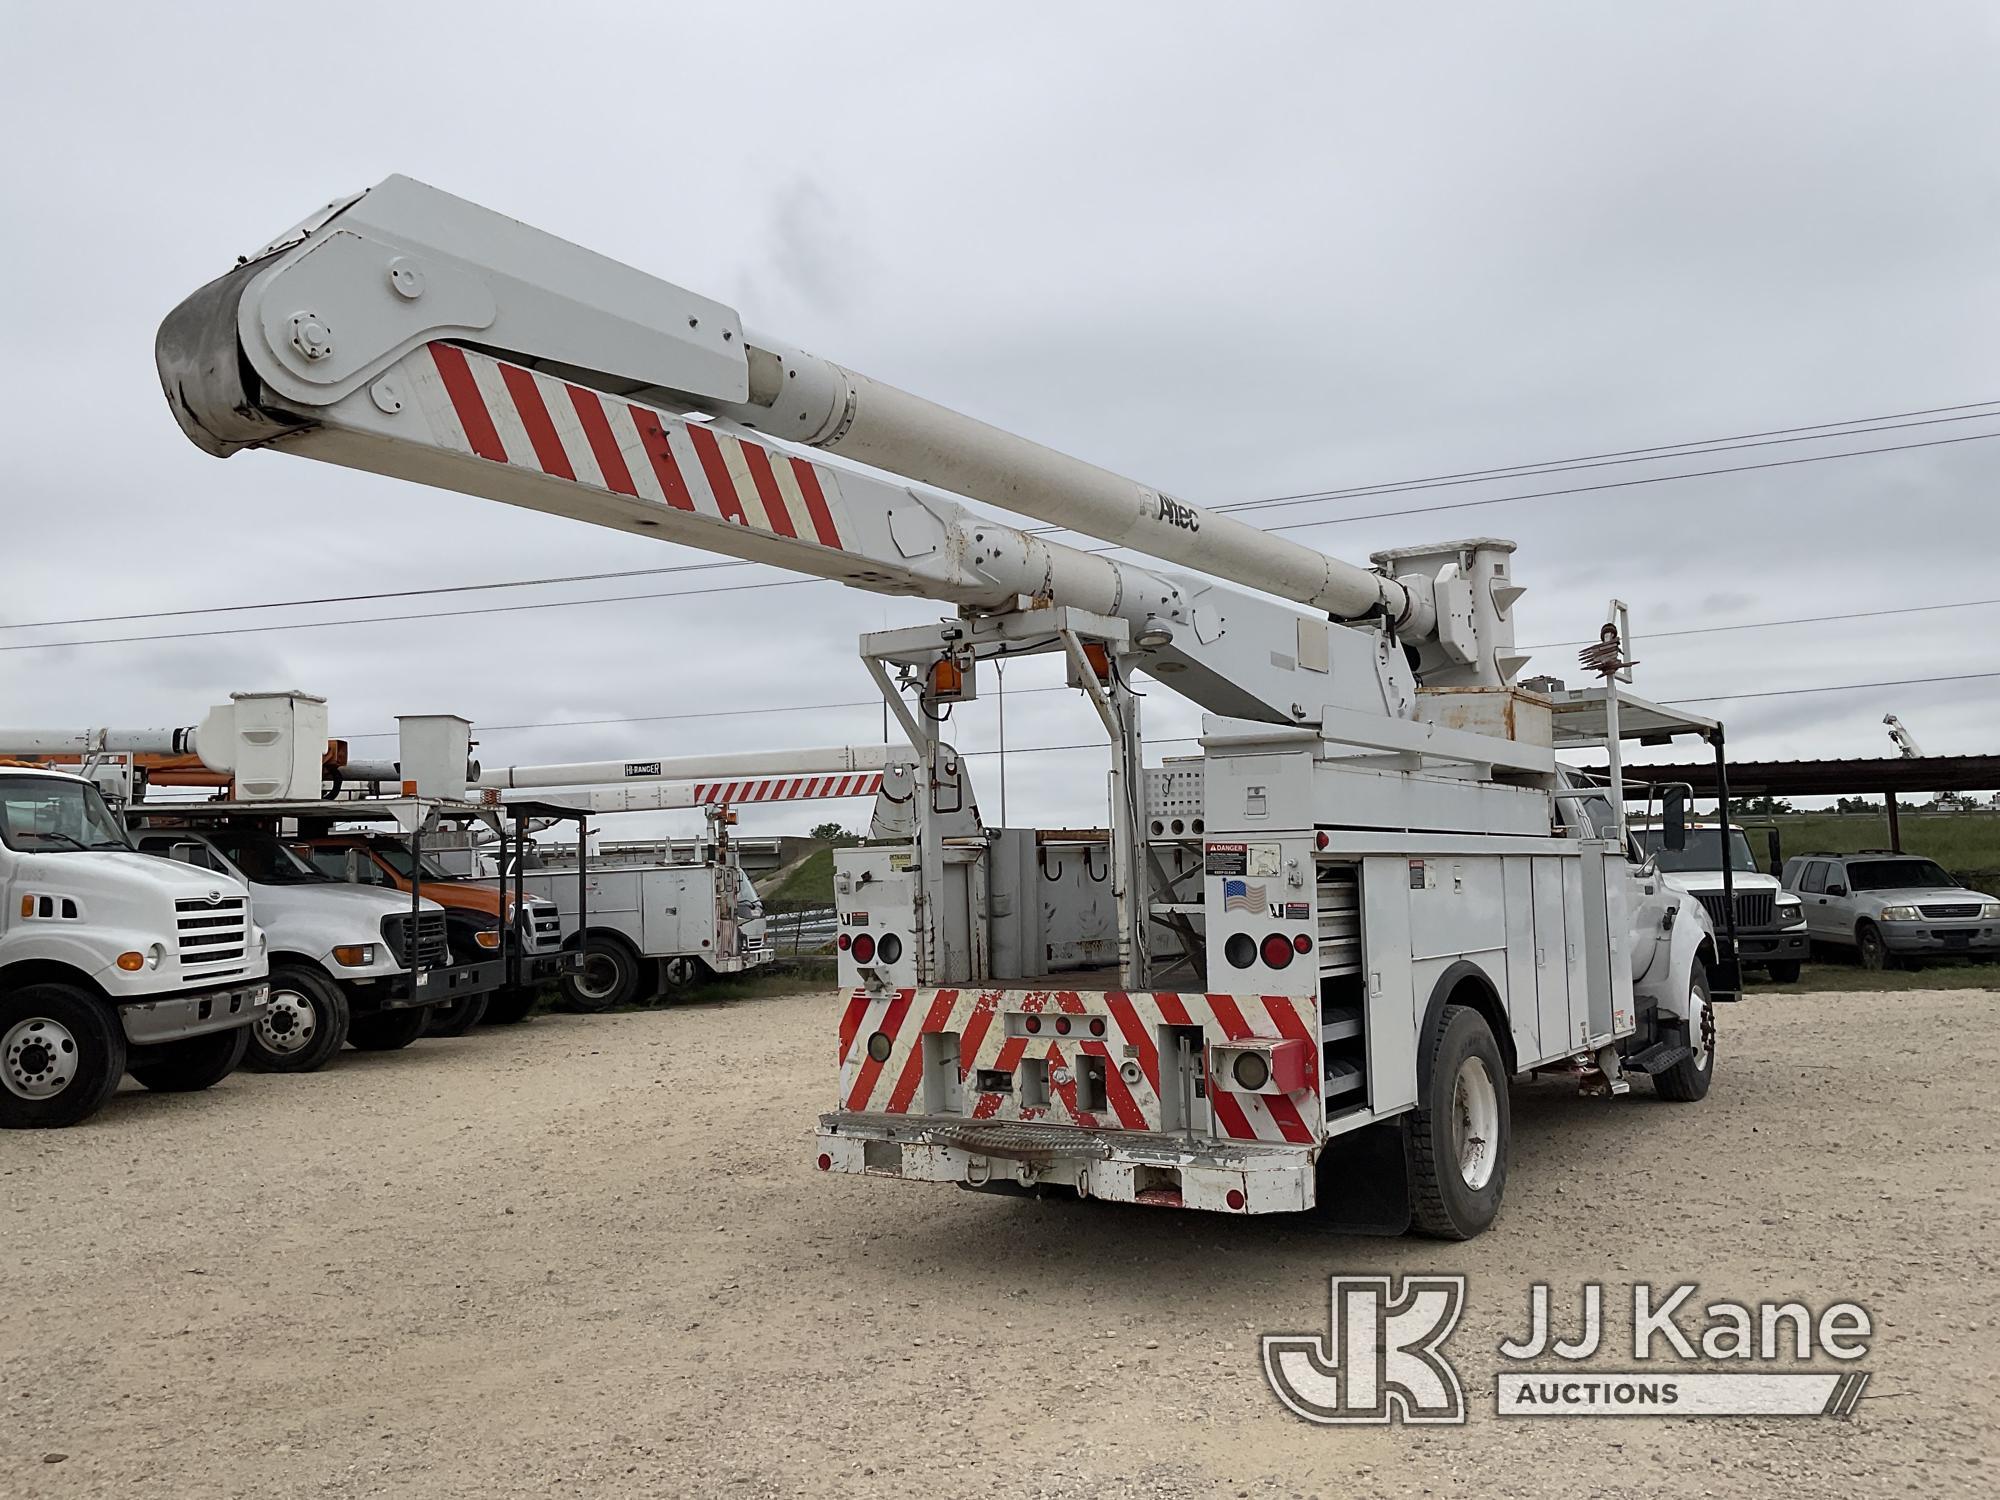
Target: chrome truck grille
x,y
1753,908
432,946
212,935
541,927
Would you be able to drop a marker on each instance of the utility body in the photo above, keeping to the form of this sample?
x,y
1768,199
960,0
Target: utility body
x,y
1395,912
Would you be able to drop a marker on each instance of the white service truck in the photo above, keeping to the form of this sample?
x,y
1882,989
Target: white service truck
x,y
1399,914
111,961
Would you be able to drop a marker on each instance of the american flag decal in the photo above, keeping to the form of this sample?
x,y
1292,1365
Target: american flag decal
x,y
1238,895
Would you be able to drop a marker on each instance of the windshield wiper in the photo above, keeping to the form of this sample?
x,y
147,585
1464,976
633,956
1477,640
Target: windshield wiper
x,y
72,841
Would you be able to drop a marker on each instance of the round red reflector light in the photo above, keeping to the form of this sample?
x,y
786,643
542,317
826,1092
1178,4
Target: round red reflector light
x,y
1303,943
1034,1024
1276,952
1234,1198
864,949
1097,1026
825,1162
845,942
1062,1025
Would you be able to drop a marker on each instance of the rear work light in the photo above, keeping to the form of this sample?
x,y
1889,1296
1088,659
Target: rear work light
x,y
1277,951
1240,950
864,949
890,948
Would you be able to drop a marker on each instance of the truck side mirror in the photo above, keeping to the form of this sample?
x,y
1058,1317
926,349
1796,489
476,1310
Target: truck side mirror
x,y
1674,818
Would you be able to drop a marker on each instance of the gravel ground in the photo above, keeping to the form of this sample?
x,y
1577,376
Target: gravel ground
x,y
592,1255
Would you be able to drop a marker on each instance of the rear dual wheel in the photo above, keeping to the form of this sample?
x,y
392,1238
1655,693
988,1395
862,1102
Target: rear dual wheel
x,y
1461,1132
192,1064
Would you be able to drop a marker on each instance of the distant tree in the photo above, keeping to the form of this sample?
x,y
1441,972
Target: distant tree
x,y
829,833
1855,805
1767,806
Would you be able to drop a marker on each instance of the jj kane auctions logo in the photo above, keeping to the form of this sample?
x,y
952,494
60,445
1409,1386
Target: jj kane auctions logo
x,y
1382,1357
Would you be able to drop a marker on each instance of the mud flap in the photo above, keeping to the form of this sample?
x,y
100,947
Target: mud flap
x,y
1363,1182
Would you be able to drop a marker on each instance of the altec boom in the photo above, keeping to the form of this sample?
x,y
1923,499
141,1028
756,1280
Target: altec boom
x,y
1393,904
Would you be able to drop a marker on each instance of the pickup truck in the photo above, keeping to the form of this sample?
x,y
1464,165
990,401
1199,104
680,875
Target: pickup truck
x,y
347,964
111,962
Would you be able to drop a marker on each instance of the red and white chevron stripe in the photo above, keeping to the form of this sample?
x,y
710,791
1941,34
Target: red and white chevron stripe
x,y
788,788
480,405
1130,1028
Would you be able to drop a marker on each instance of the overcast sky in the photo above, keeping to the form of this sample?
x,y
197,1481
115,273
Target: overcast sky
x,y
1234,252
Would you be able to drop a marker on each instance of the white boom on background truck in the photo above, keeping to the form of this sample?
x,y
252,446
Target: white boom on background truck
x,y
1397,912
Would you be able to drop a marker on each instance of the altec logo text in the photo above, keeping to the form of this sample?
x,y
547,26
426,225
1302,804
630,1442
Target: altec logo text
x,y
1382,1357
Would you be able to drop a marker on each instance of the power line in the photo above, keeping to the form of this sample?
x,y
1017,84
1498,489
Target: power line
x,y
1623,484
1696,449
796,582
1890,421
731,713
1856,614
1838,687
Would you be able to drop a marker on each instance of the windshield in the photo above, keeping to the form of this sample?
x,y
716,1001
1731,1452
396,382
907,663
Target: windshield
x,y
399,859
1703,851
261,857
1898,875
45,814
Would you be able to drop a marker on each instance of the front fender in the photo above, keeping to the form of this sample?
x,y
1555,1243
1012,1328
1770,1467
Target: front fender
x,y
1689,941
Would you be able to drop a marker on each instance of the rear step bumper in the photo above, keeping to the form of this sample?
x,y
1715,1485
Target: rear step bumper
x,y
1118,1166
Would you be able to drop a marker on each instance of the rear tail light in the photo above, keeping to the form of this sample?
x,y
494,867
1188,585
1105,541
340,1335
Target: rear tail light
x,y
845,942
1277,951
1235,1199
1303,943
1097,1026
1062,1025
864,949
1033,1024
825,1162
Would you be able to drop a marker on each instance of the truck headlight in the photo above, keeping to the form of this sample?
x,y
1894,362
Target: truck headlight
x,y
1788,912
355,955
1990,912
1901,914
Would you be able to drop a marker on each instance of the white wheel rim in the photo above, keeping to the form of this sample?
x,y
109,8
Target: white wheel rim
x,y
38,1058
598,977
1475,1118
288,1023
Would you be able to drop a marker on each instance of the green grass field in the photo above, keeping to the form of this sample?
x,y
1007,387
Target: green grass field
x,y
809,883
1967,844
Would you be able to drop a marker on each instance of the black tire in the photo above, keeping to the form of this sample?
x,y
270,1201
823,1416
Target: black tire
x,y
1688,1080
1784,972
682,973
455,1017
1460,1163
510,1007
191,1064
389,1030
609,976
303,1027
1874,952
62,1052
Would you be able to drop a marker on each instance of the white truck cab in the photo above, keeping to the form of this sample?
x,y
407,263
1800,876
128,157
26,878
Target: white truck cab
x,y
111,961
1771,931
339,952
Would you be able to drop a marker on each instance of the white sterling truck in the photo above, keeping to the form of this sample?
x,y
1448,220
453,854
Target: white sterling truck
x,y
1398,914
111,961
